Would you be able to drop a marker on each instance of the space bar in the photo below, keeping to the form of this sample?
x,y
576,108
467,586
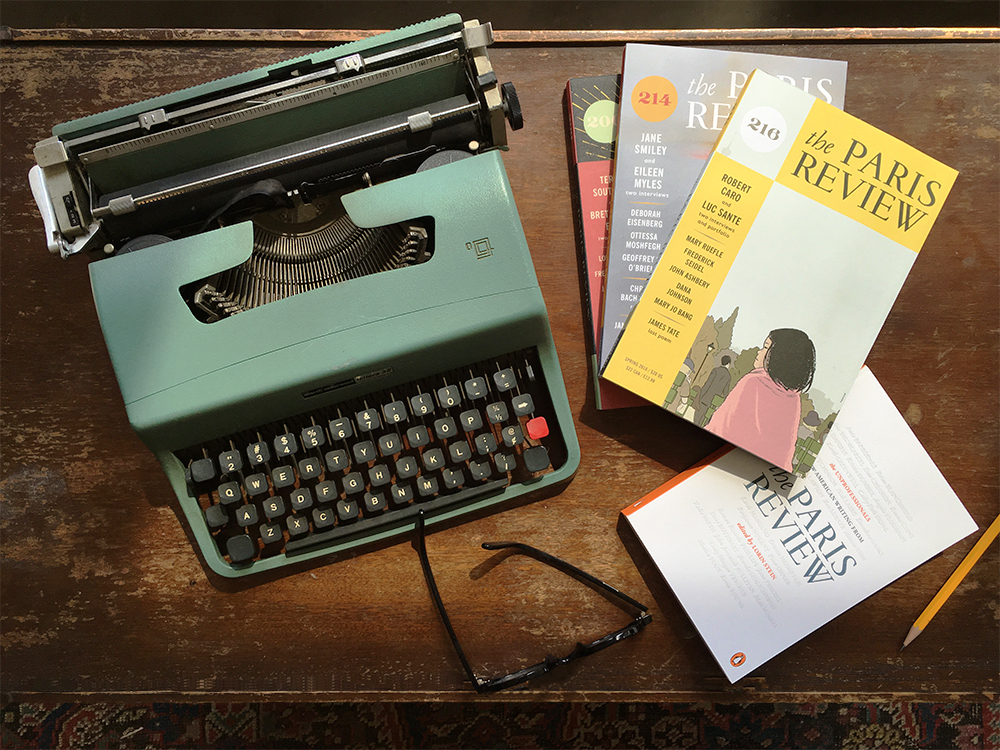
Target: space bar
x,y
372,525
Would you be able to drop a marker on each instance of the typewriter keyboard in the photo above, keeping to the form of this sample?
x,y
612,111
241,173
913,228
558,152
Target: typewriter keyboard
x,y
367,464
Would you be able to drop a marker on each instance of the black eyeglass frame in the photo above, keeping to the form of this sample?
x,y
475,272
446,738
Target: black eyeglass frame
x,y
500,682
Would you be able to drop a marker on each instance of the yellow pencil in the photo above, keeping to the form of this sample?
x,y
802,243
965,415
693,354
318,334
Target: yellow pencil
x,y
952,583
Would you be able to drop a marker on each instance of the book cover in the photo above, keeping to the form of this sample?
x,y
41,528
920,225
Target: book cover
x,y
782,269
760,558
592,104
675,103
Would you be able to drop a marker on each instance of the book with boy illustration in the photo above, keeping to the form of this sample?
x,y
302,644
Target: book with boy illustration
x,y
760,558
780,273
591,107
675,102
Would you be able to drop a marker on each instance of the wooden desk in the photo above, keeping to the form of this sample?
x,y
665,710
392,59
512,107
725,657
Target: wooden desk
x,y
104,596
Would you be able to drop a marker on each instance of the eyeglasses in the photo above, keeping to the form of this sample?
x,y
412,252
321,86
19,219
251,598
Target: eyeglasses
x,y
493,684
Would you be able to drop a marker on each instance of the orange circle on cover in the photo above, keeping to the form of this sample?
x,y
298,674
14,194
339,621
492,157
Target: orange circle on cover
x,y
654,98
737,659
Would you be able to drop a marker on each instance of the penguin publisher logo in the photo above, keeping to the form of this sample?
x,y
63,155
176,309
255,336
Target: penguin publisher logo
x,y
738,659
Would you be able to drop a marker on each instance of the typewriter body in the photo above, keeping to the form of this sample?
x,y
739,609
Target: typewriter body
x,y
317,295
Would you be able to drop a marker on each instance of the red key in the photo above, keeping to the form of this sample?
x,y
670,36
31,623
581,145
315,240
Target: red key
x,y
537,428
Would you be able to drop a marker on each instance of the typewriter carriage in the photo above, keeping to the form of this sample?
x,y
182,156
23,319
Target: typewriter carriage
x,y
366,111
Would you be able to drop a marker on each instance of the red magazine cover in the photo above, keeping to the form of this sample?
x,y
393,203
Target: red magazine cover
x,y
592,104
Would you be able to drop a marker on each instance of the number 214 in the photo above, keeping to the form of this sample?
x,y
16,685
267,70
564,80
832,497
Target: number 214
x,y
646,97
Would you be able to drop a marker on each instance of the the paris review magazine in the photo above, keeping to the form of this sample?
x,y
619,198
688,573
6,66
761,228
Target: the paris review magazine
x,y
759,559
591,107
780,274
675,102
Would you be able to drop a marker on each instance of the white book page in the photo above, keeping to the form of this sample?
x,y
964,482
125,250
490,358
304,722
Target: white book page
x,y
758,567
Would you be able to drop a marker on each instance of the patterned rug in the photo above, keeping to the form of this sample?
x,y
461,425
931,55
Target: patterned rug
x,y
504,725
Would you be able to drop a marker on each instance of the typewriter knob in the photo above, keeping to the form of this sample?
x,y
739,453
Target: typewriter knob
x,y
511,106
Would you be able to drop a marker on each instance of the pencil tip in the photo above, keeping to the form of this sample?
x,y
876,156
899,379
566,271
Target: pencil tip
x,y
914,632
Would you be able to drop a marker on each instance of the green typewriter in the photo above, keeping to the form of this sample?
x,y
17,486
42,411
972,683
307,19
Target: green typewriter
x,y
317,295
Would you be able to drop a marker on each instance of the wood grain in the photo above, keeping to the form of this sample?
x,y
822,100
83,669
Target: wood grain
x,y
506,36
103,595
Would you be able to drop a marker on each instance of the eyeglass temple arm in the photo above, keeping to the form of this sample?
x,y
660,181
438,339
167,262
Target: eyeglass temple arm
x,y
543,557
565,567
439,603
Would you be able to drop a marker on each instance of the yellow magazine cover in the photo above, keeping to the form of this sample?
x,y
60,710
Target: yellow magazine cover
x,y
780,273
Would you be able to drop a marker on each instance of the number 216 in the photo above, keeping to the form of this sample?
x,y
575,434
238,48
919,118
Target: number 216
x,y
764,129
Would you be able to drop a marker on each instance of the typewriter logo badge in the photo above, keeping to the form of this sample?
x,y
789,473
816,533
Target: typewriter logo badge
x,y
482,248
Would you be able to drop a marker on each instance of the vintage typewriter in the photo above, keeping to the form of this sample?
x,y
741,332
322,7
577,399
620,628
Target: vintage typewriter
x,y
317,295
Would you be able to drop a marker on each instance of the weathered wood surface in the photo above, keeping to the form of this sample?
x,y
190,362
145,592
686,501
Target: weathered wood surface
x,y
103,595
506,36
